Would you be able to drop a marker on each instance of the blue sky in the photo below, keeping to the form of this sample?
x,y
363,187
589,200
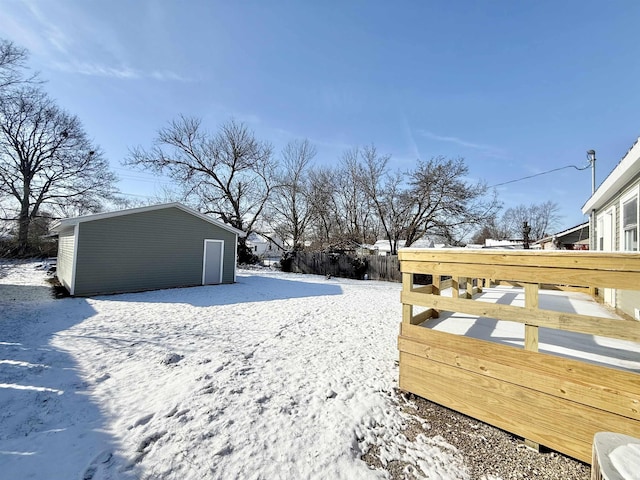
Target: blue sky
x,y
514,87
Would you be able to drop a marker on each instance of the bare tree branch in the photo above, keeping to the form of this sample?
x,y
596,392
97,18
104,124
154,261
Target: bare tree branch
x,y
228,173
47,161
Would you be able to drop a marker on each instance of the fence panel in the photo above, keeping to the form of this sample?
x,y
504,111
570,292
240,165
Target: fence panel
x,y
373,266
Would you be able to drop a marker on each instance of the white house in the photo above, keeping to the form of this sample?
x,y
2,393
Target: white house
x,y
613,212
383,248
265,245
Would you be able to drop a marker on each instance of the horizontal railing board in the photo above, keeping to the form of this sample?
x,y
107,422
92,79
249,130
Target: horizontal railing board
x,y
531,274
422,316
505,364
610,261
545,411
494,409
590,325
423,289
550,421
609,379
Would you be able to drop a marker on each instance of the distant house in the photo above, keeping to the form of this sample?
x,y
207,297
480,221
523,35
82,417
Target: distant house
x,y
613,212
503,244
160,246
383,248
574,238
264,245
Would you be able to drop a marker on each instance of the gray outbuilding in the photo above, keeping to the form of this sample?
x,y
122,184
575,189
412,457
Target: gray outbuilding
x,y
148,248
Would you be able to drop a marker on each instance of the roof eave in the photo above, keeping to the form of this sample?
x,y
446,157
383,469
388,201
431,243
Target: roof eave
x,y
69,222
626,169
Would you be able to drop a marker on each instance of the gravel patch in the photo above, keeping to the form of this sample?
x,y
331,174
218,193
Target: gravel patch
x,y
488,452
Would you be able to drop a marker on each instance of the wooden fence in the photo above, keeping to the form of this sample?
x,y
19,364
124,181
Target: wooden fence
x,y
375,267
546,399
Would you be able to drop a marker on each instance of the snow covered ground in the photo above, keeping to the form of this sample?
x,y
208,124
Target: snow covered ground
x,y
277,376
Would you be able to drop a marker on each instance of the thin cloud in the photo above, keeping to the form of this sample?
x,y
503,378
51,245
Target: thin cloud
x,y
168,76
52,33
96,70
122,73
64,51
486,149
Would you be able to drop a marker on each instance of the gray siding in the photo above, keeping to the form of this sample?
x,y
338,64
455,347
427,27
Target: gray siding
x,y
149,250
64,268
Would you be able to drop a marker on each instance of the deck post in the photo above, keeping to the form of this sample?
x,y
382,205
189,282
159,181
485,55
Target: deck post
x,y
469,288
407,286
435,281
531,300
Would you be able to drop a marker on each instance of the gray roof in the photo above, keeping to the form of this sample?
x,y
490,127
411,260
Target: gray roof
x,y
59,225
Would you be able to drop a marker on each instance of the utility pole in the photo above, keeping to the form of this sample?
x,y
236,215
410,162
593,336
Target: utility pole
x,y
591,155
526,230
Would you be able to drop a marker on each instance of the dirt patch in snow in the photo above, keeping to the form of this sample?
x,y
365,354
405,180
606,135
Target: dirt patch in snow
x,y
489,453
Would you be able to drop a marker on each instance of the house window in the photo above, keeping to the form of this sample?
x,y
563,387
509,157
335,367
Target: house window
x,y
630,224
600,231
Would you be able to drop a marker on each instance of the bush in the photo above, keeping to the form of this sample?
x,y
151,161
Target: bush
x,y
246,256
286,262
360,266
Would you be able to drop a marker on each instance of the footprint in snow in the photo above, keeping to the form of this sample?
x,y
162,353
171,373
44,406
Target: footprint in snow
x,y
171,358
103,378
149,440
142,421
103,458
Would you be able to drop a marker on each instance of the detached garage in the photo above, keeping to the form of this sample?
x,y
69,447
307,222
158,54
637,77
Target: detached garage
x,y
148,248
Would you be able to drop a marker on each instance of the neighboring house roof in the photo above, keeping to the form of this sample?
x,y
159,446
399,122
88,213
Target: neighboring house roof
x,y
626,169
426,242
257,238
571,236
59,225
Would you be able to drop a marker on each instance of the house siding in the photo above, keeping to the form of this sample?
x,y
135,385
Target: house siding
x,y
628,301
625,300
64,267
148,250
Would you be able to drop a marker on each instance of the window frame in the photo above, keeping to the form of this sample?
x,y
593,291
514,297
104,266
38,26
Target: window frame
x,y
625,199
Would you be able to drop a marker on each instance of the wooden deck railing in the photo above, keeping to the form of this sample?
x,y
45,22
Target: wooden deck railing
x,y
546,399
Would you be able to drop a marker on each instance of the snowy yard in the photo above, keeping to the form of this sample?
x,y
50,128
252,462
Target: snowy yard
x,y
277,376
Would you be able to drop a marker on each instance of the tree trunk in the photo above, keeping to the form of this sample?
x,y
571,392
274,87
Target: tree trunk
x,y
24,220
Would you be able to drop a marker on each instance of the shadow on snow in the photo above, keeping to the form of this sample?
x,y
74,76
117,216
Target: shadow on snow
x,y
247,289
50,426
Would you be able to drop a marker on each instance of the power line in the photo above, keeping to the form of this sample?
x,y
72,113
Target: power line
x,y
538,174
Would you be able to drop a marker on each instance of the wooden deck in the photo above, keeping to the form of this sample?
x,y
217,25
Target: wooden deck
x,y
553,398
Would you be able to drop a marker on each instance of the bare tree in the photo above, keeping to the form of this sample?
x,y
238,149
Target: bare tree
x,y
491,229
47,160
228,173
541,218
353,208
13,68
290,209
443,202
387,193
12,64
322,189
